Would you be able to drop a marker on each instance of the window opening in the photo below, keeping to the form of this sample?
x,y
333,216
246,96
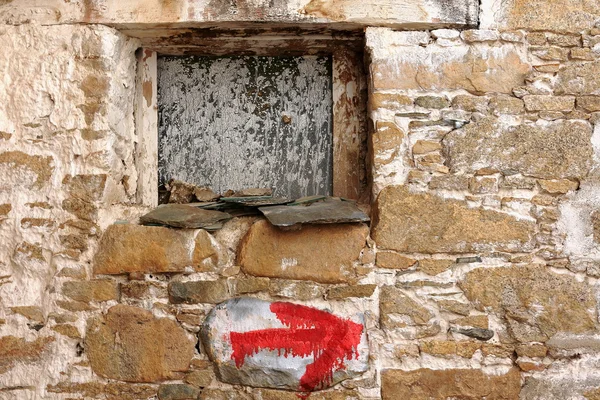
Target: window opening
x,y
239,122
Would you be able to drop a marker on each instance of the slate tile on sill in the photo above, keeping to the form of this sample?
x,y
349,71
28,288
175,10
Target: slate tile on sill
x,y
328,211
185,216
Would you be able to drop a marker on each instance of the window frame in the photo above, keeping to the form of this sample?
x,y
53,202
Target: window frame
x,y
349,130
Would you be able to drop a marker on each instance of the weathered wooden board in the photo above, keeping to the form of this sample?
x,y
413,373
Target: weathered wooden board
x,y
241,122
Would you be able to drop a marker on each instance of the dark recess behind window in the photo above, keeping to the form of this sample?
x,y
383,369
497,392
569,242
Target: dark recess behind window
x,y
242,122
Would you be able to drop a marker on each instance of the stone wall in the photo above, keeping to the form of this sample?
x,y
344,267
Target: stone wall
x,y
477,276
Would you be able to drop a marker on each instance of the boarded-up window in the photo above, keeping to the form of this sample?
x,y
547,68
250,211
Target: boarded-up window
x,y
244,122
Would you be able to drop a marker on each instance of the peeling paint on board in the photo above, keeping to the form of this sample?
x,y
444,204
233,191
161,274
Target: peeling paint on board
x,y
241,122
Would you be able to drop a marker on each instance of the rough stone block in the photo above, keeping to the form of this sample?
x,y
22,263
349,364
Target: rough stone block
x,y
549,103
506,105
15,350
95,290
449,182
518,182
30,251
322,253
474,35
455,307
434,266
27,223
536,302
394,301
582,54
198,292
445,33
436,102
549,150
391,260
249,284
142,290
33,313
425,384
445,68
206,255
67,330
129,344
391,101
386,144
24,170
200,378
564,40
424,223
470,103
94,390
177,391
449,348
81,208
579,79
87,187
589,103
343,292
426,146
297,290
75,306
475,321
555,384
483,185
541,15
4,210
126,248
560,186
531,350
550,53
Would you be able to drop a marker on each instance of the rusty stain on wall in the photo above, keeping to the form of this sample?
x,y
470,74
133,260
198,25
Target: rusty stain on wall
x,y
147,92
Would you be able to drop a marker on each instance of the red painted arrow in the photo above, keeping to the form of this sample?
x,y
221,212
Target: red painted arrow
x,y
329,339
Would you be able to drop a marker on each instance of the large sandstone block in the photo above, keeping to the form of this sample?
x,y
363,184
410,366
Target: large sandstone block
x,y
476,68
551,150
283,345
427,384
424,223
583,78
126,248
129,344
321,253
536,302
540,15
147,14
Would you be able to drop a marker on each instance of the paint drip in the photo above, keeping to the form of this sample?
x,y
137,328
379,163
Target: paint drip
x,y
330,340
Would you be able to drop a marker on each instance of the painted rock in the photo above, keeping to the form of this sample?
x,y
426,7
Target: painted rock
x,y
283,345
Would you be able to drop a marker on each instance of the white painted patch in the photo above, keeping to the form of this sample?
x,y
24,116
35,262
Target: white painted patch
x,y
576,224
288,262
